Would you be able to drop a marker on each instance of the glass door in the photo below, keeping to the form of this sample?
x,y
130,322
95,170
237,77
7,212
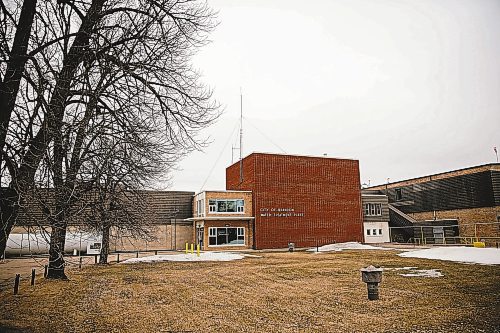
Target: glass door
x,y
199,236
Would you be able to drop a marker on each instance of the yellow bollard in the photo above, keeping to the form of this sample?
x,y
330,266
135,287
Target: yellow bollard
x,y
186,248
192,248
198,250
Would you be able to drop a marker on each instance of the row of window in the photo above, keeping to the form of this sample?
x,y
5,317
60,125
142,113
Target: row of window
x,y
226,236
220,206
373,232
373,209
226,206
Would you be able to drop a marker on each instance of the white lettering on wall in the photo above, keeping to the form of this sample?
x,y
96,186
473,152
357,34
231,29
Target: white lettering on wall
x,y
280,212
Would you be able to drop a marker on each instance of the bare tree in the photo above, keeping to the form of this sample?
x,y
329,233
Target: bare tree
x,y
124,162
12,60
128,59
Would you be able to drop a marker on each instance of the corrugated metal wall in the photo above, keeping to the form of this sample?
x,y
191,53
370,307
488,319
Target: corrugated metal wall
x,y
465,191
495,181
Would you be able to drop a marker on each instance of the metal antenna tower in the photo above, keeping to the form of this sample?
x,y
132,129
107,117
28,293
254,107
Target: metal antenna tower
x,y
241,136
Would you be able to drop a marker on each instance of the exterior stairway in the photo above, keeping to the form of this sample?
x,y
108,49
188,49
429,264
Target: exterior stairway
x,y
401,225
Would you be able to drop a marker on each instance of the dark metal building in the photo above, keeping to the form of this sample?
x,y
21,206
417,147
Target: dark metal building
x,y
469,198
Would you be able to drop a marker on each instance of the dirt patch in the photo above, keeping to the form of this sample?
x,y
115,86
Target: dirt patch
x,y
280,292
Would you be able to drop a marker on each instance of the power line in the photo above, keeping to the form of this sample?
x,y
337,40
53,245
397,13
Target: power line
x,y
220,154
265,136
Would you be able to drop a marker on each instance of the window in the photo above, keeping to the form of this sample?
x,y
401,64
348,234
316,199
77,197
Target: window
x,y
226,206
200,207
240,205
399,194
380,231
226,236
212,206
373,209
368,232
374,232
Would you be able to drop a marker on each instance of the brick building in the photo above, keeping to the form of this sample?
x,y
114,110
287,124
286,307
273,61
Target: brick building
x,y
468,198
223,220
305,200
165,214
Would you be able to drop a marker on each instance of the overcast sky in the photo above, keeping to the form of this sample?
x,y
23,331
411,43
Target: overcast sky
x,y
408,88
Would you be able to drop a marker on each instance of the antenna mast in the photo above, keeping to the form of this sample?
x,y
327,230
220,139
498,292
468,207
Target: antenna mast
x,y
241,136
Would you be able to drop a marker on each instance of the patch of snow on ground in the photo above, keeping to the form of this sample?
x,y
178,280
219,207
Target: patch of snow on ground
x,y
488,256
346,246
251,256
414,271
423,273
204,256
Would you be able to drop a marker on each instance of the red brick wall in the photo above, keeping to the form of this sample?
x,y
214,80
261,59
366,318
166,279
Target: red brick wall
x,y
320,197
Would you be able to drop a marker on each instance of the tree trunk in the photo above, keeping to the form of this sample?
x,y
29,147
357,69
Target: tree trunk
x,y
103,258
8,214
56,251
58,221
9,86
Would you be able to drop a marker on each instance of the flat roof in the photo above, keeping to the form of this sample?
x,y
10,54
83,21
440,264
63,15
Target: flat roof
x,y
223,191
481,166
294,155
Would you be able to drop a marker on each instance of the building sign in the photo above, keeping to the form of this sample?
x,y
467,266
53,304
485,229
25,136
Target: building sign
x,y
93,248
280,212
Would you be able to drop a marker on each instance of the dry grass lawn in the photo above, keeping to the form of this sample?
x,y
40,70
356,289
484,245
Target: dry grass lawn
x,y
279,292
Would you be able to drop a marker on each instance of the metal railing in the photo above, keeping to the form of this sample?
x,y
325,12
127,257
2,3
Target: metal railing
x,y
466,234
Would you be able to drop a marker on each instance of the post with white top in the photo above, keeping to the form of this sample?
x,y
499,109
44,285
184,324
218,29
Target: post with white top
x,y
372,276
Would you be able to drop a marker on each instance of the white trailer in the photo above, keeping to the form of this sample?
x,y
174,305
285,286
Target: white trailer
x,y
38,243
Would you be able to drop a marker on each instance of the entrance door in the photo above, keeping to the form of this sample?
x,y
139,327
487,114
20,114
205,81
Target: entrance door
x,y
199,236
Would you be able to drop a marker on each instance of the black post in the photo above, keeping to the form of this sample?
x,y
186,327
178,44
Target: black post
x,y
317,247
33,277
45,271
117,258
156,252
80,264
95,258
137,254
16,284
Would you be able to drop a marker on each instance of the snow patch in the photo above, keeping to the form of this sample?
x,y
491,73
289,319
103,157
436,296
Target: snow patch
x,y
251,256
487,256
204,256
414,271
346,246
423,273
